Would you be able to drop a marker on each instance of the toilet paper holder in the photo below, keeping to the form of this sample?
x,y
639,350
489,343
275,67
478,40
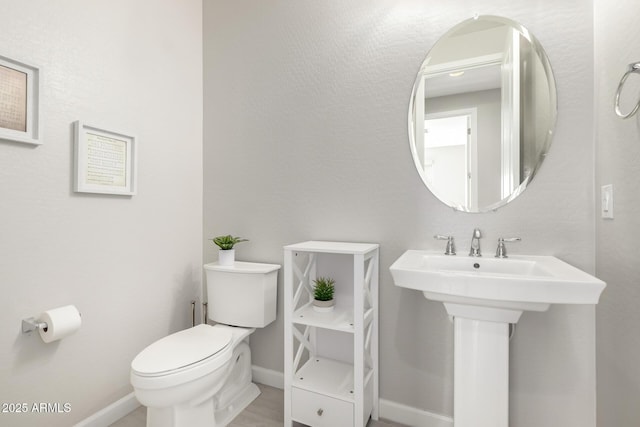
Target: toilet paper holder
x,y
31,324
54,324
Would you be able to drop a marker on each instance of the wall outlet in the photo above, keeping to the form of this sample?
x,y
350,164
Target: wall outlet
x,y
606,201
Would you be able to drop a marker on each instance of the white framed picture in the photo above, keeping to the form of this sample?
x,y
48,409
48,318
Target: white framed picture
x,y
105,161
20,87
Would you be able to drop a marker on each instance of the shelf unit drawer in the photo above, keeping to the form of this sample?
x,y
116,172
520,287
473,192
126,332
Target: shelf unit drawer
x,y
318,410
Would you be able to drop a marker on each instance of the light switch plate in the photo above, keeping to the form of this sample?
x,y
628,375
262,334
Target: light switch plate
x,y
606,201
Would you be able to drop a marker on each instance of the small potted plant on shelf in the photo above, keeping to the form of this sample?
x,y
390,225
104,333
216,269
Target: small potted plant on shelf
x,y
323,294
226,254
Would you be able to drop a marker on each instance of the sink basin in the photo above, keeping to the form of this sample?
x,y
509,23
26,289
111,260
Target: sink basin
x,y
511,285
484,295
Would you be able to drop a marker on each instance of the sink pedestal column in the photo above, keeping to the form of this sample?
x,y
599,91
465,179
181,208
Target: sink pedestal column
x,y
481,373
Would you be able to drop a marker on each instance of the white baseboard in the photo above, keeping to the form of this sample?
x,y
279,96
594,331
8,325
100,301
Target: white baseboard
x,y
112,413
408,415
267,377
392,411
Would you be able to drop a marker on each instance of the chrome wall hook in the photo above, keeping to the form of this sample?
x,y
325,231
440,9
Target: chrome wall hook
x,y
633,68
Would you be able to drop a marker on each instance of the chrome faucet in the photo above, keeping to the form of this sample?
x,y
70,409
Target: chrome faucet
x,y
501,251
451,247
475,243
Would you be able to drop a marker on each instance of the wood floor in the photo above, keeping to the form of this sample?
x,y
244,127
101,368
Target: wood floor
x,y
265,411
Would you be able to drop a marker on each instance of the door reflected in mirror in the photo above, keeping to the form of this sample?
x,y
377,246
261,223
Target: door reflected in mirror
x,y
482,114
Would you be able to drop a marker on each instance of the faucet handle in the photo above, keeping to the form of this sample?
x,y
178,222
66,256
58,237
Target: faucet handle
x,y
451,247
501,251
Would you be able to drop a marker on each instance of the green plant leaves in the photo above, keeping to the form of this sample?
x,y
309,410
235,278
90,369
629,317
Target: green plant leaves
x,y
323,288
227,242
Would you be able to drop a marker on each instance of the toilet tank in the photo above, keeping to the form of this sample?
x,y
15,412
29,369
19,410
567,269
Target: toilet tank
x,y
242,294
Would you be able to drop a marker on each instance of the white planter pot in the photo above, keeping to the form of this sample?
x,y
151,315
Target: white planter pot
x,y
323,306
226,256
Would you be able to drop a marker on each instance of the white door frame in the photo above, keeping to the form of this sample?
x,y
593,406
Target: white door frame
x,y
471,150
510,147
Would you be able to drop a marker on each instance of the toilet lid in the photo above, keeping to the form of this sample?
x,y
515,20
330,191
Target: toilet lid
x,y
181,349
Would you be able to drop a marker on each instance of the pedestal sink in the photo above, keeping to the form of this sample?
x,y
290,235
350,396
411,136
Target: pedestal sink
x,y
484,295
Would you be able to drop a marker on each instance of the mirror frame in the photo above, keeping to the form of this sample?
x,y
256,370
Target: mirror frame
x,y
553,111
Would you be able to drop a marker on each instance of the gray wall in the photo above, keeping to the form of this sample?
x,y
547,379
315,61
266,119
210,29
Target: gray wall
x,y
130,264
306,138
617,44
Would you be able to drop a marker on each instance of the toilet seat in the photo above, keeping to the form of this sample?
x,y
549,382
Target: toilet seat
x,y
184,351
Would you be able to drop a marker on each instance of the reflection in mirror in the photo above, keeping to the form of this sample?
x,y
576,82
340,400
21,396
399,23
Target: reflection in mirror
x,y
482,113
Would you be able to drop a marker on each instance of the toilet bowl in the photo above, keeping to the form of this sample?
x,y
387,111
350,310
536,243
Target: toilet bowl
x,y
201,377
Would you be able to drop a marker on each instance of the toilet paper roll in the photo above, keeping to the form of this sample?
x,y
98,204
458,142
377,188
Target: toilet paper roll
x,y
61,322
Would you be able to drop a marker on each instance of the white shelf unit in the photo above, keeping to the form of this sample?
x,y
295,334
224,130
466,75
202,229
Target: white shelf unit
x,y
331,359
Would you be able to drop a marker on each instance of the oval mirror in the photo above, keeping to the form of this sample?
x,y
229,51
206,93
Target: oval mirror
x,y
482,113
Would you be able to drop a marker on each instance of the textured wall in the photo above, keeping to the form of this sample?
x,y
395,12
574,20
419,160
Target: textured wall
x,y
129,264
306,138
617,44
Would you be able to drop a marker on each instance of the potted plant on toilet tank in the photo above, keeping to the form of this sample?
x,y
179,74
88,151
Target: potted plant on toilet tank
x,y
226,254
323,289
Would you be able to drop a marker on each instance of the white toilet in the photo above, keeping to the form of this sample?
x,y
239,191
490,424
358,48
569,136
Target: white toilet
x,y
201,377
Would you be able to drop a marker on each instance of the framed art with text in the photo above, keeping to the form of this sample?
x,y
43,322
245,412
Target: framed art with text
x,y
105,161
19,101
